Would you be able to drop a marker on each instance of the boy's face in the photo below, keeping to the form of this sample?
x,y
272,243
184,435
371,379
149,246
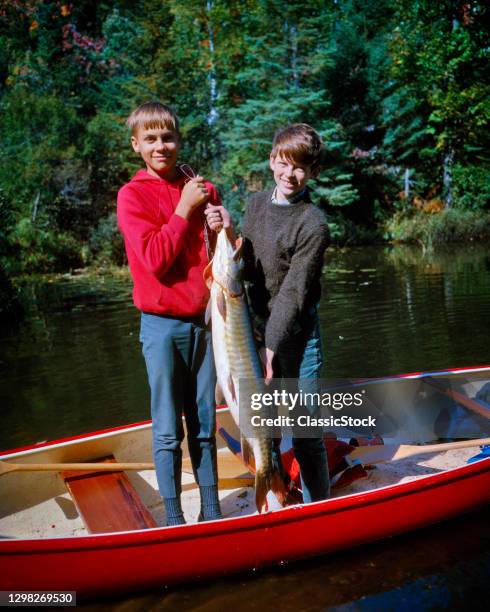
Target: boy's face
x,y
290,177
159,148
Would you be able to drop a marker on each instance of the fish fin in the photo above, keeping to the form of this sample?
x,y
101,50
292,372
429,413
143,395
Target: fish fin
x,y
237,253
221,303
231,387
219,396
279,488
247,454
208,275
207,314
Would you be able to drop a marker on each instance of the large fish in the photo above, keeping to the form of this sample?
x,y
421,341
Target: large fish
x,y
236,359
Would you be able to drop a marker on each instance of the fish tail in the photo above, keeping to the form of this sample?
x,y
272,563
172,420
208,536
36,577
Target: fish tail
x,y
266,481
262,487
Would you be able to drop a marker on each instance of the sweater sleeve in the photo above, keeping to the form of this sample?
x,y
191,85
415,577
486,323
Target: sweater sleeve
x,y
257,294
306,264
247,252
155,245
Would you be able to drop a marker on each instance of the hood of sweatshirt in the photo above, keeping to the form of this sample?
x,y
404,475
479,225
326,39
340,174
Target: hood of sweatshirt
x,y
142,176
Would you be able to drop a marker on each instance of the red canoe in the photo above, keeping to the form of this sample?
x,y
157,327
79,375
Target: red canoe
x,y
45,545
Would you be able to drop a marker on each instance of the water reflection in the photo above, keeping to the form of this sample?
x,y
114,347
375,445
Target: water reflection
x,y
74,364
392,310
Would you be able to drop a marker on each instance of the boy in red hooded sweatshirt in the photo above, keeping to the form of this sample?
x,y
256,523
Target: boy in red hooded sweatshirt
x,y
161,216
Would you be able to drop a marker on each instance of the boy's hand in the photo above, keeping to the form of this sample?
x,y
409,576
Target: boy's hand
x,y
267,356
219,218
193,195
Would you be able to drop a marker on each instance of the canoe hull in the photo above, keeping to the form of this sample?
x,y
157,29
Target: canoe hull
x,y
116,563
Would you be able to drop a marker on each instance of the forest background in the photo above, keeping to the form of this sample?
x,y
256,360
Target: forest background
x,y
399,90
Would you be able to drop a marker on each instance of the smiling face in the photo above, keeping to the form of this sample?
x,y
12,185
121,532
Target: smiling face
x,y
159,148
290,177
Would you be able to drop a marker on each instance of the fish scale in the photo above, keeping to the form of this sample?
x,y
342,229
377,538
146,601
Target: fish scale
x,y
239,335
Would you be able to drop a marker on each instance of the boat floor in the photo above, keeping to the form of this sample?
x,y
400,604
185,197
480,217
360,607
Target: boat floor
x,y
58,515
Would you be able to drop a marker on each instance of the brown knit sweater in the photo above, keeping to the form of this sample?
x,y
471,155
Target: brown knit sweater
x,y
283,253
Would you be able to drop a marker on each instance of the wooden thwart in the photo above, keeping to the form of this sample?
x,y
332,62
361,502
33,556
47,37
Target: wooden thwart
x,y
107,501
229,467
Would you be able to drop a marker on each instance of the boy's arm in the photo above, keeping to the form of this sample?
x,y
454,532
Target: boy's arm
x,y
289,304
258,296
155,245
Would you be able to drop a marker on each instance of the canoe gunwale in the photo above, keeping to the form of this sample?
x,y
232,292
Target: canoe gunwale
x,y
28,449
24,451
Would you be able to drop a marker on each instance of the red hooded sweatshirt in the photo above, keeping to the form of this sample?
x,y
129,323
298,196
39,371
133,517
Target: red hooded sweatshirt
x,y
166,253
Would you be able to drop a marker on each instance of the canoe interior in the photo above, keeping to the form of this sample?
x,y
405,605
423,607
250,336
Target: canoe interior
x,y
38,505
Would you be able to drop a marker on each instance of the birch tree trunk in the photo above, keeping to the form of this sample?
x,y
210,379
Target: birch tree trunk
x,y
213,88
406,189
447,178
292,44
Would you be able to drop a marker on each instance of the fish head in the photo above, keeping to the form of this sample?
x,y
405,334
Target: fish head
x,y
227,264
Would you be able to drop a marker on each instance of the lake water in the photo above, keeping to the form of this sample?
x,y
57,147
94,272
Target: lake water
x,y
73,364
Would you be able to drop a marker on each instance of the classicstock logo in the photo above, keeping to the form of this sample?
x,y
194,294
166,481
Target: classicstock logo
x,y
302,407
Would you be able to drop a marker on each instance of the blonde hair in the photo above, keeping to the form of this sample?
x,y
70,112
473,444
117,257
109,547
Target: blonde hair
x,y
152,115
298,143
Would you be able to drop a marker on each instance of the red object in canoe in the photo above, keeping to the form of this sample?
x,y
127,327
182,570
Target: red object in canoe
x,y
113,563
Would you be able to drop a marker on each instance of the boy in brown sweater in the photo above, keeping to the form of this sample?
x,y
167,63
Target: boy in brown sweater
x,y
285,237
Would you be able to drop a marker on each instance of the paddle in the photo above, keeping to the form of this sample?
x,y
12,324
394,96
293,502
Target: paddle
x,y
226,483
368,454
229,466
5,468
394,452
476,406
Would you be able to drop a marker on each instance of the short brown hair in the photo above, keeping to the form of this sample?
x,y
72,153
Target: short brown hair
x,y
298,143
153,115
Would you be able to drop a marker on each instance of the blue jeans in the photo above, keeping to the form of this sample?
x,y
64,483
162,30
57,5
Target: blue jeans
x,y
301,357
180,366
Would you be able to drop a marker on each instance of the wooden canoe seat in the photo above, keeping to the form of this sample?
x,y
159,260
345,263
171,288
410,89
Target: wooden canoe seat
x,y
107,501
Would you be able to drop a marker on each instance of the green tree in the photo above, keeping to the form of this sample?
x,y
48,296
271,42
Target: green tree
x,y
440,82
